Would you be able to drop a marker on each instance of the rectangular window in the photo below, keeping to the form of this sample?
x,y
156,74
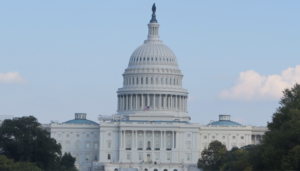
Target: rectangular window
x,y
213,137
188,157
96,145
67,145
156,156
87,145
87,135
242,137
188,146
205,137
168,157
87,157
140,156
95,157
128,156
233,137
108,144
108,156
77,157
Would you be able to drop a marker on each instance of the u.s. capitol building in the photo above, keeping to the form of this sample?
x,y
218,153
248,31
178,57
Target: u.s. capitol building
x,y
151,130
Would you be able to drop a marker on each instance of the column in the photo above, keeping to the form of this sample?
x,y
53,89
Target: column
x,y
173,142
123,101
176,106
164,103
153,140
144,147
171,102
154,101
124,139
132,142
160,106
192,142
136,100
136,135
120,137
179,99
165,140
126,107
143,105
161,142
148,100
131,102
186,103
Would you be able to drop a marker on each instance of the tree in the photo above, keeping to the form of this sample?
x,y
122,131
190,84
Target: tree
x,y
24,140
9,165
280,148
67,161
211,158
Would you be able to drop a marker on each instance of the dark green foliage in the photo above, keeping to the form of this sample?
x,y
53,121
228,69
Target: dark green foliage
x,y
23,140
9,165
212,157
67,162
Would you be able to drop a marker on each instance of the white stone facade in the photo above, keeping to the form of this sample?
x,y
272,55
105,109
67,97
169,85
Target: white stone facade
x,y
151,130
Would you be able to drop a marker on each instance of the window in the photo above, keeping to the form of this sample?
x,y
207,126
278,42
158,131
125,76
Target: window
x,y
151,80
137,81
144,59
132,81
213,137
140,144
156,80
166,81
205,147
168,157
146,80
205,137
140,156
77,144
87,157
161,81
242,137
156,156
128,156
156,59
96,145
95,157
224,143
188,157
157,144
108,156
151,59
169,144
108,144
87,135
233,137
59,135
128,144
67,135
109,134
188,145
147,59
77,157
188,135
87,145
170,81
223,137
67,145
142,81
95,135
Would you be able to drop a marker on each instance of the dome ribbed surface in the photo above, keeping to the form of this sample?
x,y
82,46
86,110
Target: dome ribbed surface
x,y
224,123
81,121
158,51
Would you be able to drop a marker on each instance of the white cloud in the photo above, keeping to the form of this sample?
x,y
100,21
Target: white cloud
x,y
12,78
252,86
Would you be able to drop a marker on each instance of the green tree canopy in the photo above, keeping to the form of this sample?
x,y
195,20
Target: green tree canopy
x,y
280,149
24,140
9,165
67,161
211,158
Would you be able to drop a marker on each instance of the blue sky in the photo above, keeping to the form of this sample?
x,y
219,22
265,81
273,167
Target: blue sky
x,y
62,57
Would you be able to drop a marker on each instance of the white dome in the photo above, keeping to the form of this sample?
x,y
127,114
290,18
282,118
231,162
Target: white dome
x,y
153,53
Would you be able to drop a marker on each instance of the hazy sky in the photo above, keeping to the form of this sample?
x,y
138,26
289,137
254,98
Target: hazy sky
x,y
62,57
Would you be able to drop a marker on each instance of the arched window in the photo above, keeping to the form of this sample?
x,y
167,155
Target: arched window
x,y
142,81
129,81
174,81
155,59
151,80
170,81
167,59
144,59
140,59
147,59
146,80
151,59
